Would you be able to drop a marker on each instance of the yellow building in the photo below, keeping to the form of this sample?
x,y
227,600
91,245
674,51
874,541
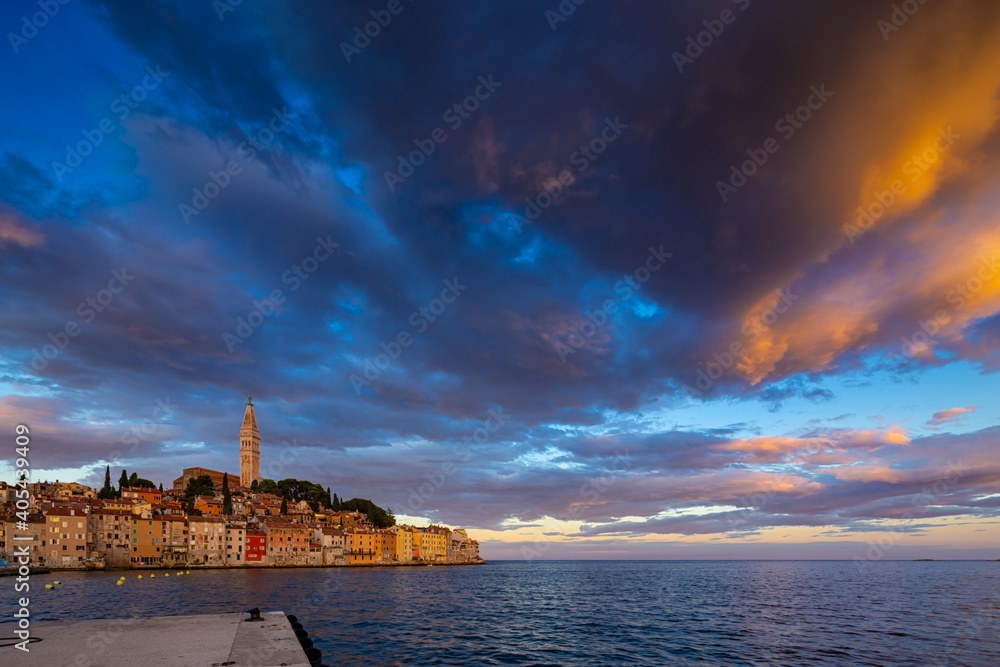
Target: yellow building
x,y
434,543
117,505
361,546
71,490
415,541
403,551
140,506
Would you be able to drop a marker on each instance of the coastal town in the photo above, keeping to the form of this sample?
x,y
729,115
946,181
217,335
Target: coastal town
x,y
210,518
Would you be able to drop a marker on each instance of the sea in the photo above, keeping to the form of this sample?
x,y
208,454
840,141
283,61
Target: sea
x,y
794,613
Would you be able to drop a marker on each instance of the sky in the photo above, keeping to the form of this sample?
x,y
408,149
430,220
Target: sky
x,y
601,280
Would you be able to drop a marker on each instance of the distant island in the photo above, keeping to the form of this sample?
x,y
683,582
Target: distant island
x,y
214,519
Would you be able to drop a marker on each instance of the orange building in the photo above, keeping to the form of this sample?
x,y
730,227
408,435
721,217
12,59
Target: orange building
x,y
287,542
362,546
141,493
208,506
147,540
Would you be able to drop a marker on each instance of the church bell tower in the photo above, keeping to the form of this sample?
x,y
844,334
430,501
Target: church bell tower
x,y
249,447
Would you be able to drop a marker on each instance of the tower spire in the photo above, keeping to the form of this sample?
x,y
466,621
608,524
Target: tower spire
x,y
249,447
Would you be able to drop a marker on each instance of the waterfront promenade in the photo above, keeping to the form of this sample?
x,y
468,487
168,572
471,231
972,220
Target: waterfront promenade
x,y
165,641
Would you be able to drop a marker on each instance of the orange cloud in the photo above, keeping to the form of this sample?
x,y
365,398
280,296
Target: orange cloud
x,y
924,123
11,232
943,416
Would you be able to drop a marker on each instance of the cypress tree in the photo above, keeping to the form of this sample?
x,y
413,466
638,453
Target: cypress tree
x,y
284,506
122,482
107,491
227,499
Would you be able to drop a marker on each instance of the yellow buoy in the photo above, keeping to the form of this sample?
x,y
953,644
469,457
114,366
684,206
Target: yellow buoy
x,y
140,576
187,571
55,582
151,576
167,574
119,582
48,585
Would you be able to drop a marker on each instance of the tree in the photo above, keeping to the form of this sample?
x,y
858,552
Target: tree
x,y
198,486
108,491
378,516
140,482
253,486
161,488
122,481
336,502
227,499
284,506
329,498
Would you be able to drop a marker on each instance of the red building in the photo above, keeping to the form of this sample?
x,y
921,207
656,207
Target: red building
x,y
256,547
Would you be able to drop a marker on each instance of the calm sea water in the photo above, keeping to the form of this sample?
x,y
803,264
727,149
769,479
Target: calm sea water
x,y
592,613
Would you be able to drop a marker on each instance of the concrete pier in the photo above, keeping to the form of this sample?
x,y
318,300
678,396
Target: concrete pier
x,y
205,640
